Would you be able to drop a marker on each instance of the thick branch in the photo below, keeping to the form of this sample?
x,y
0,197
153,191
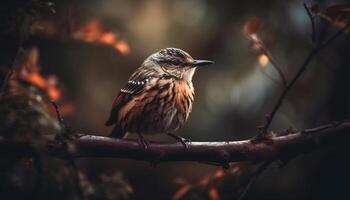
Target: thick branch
x,y
281,147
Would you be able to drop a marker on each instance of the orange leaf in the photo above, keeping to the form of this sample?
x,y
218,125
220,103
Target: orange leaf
x,y
181,192
180,181
108,38
94,32
252,26
219,174
337,23
53,93
263,60
338,9
205,181
37,80
122,47
66,109
213,194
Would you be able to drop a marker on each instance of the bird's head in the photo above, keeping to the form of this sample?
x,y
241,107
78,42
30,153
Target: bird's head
x,y
175,62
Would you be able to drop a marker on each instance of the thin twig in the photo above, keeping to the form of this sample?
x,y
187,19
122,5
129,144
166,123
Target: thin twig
x,y
58,113
5,82
311,54
274,62
252,179
75,171
70,161
67,129
333,37
271,78
284,93
10,72
313,26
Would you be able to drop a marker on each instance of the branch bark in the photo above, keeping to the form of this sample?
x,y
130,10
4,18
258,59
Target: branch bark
x,y
280,147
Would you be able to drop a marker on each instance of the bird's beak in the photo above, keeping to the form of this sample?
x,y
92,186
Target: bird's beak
x,y
197,63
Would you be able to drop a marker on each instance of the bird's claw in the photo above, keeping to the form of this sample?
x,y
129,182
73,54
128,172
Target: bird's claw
x,y
185,142
144,143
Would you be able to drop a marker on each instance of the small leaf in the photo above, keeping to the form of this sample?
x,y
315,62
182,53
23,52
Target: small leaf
x,y
334,22
94,32
263,60
219,174
205,181
181,192
335,15
181,181
252,26
338,9
213,194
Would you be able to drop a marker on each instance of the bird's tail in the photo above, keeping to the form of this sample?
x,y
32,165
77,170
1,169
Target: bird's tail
x,y
117,132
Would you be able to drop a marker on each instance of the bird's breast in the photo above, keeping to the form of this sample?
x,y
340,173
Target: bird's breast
x,y
162,108
184,96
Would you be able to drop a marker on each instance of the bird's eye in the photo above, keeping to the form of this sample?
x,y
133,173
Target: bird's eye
x,y
175,62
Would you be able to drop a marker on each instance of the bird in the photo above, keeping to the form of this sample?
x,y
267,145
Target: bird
x,y
158,97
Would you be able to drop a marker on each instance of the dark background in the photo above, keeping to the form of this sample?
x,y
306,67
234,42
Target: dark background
x,y
232,96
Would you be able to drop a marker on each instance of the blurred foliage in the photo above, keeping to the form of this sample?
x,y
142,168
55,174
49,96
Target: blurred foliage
x,y
25,102
109,186
213,186
27,117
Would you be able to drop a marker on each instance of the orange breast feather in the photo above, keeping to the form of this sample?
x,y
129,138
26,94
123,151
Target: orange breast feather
x,y
184,96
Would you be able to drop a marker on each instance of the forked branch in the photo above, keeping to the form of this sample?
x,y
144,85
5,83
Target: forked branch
x,y
315,49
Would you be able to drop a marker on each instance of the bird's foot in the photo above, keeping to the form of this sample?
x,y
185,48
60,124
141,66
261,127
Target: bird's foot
x,y
143,142
185,142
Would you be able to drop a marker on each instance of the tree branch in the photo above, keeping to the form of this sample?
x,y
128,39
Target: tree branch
x,y
315,49
252,179
281,147
313,26
272,59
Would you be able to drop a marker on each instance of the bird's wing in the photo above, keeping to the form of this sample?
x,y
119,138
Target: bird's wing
x,y
135,85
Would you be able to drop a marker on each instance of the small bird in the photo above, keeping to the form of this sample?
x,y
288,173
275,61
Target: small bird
x,y
157,98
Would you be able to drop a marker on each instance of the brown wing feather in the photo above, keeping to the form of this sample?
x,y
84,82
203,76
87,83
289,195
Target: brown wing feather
x,y
118,102
135,85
